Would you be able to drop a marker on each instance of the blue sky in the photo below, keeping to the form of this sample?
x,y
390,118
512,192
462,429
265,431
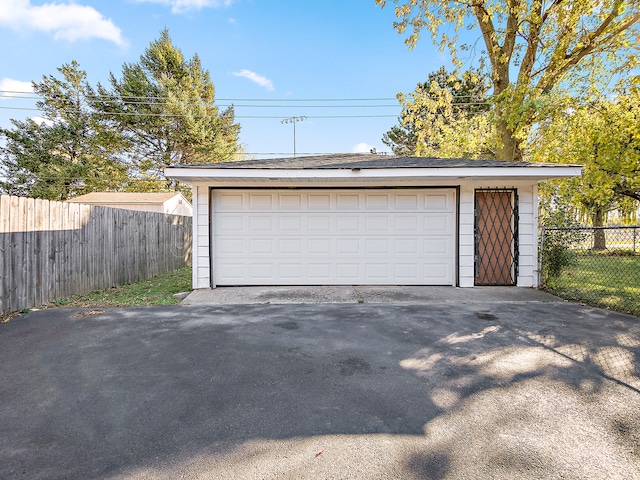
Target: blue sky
x,y
269,58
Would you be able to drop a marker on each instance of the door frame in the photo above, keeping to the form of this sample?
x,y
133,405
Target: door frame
x,y
455,189
480,256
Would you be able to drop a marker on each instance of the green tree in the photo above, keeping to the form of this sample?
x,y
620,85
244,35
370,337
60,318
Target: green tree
x,y
66,154
604,136
164,106
532,46
446,116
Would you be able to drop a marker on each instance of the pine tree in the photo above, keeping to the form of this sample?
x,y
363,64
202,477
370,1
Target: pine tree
x,y
164,105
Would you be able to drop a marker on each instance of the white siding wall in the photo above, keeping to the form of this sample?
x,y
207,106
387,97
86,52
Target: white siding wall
x,y
201,260
466,240
528,235
527,232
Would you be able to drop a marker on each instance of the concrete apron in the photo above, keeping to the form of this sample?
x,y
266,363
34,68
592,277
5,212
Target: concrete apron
x,y
364,294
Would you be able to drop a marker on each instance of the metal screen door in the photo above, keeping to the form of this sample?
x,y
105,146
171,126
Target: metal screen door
x,y
496,248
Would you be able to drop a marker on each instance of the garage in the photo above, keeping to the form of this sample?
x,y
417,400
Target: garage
x,y
365,219
334,236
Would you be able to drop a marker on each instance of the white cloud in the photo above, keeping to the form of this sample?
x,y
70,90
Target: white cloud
x,y
9,85
67,21
363,147
254,77
41,120
183,6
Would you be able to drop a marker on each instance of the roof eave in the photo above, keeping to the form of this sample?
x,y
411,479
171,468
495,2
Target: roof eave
x,y
208,175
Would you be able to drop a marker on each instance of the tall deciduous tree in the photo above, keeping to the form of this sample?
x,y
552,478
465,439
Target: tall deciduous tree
x,y
164,105
604,136
532,46
68,152
446,116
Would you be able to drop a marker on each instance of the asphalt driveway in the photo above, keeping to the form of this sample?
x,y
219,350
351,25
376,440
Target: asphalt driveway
x,y
519,389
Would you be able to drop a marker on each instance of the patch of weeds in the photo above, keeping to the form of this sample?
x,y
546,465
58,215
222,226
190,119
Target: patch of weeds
x,y
158,290
64,301
8,317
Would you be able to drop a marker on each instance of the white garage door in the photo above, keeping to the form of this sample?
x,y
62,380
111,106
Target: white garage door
x,y
334,237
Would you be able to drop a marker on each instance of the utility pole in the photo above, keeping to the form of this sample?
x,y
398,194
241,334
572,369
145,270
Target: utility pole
x,y
293,120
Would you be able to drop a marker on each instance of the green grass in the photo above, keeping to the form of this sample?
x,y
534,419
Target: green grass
x,y
607,281
158,290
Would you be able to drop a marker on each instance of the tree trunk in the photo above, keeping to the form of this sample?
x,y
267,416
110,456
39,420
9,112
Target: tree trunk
x,y
510,149
599,241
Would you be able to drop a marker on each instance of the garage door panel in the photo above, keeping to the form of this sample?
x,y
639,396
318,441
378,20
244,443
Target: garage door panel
x,y
335,237
290,201
289,246
378,271
406,246
318,223
377,202
347,201
261,271
229,222
404,224
376,246
290,223
347,246
230,201
437,224
407,202
406,272
377,223
290,271
261,202
347,224
435,202
319,245
434,271
319,201
261,245
437,246
231,246
260,223
320,271
348,271
230,270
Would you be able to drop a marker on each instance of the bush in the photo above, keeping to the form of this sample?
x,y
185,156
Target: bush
x,y
556,257
559,234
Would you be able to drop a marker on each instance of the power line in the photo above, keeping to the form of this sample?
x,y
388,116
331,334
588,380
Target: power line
x,y
395,105
180,115
144,114
33,96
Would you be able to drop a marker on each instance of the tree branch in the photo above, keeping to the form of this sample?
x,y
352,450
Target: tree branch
x,y
512,29
575,56
489,34
532,45
627,192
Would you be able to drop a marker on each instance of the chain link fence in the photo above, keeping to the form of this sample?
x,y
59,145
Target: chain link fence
x,y
598,265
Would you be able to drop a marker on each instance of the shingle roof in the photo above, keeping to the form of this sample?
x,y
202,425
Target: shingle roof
x,y
124,197
354,161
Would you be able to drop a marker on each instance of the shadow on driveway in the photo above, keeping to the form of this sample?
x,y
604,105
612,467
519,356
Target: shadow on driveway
x,y
509,390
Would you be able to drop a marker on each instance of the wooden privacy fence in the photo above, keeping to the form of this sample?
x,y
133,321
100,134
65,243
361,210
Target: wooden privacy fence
x,y
52,250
